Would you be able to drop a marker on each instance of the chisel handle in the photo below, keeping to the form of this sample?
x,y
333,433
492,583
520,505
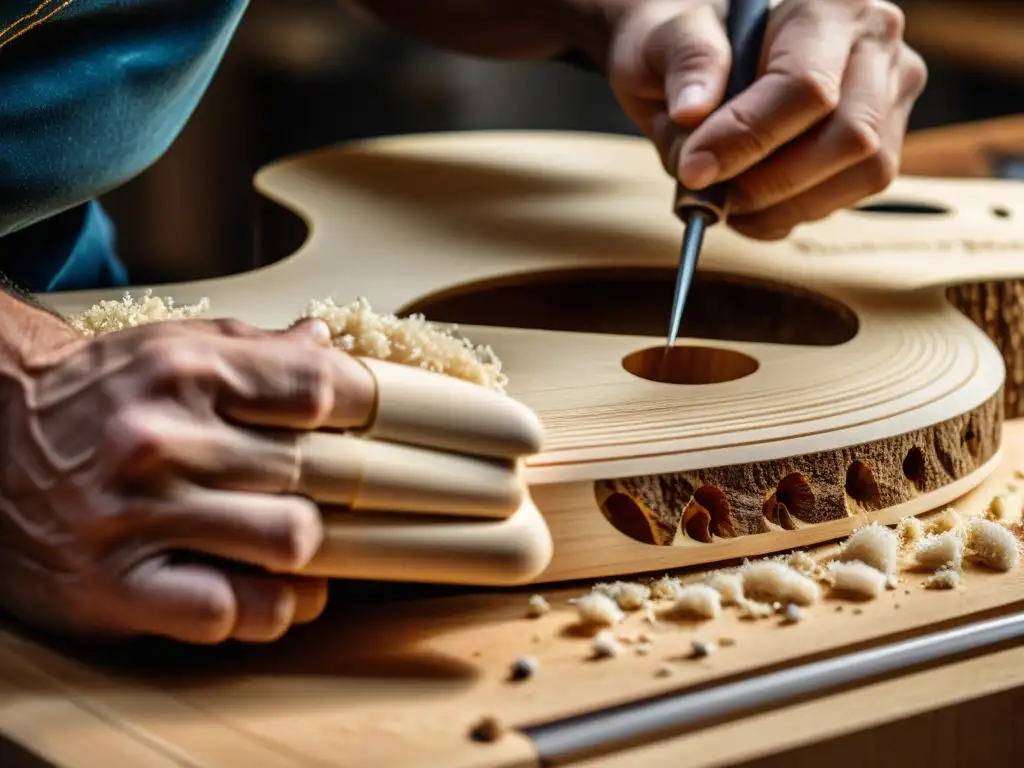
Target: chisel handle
x,y
745,24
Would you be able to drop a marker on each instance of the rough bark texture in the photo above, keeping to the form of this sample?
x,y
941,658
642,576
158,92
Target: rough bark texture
x,y
745,499
998,309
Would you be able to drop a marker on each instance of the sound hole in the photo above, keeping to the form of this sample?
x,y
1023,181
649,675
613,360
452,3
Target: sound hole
x,y
637,302
902,207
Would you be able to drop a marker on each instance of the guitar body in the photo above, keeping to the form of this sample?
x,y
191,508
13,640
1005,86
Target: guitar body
x,y
819,383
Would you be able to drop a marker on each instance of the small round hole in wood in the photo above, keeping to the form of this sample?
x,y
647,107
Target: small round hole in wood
x,y
913,467
627,517
713,499
861,486
689,365
791,501
1000,212
970,439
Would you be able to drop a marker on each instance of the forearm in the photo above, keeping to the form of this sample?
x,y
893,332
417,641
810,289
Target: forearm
x,y
504,29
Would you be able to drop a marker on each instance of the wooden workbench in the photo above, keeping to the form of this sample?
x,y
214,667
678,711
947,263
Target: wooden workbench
x,y
388,680
386,683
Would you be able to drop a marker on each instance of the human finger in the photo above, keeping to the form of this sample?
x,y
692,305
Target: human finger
x,y
805,60
278,533
866,178
851,134
264,607
188,602
284,384
669,70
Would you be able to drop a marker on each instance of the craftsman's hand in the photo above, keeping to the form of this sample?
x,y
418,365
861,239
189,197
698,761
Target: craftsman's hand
x,y
821,129
128,493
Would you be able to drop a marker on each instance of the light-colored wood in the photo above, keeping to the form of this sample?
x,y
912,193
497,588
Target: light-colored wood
x,y
963,150
402,683
971,150
875,370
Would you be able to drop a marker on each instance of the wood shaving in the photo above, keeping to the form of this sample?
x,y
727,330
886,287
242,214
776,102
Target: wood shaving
x,y
910,530
666,588
944,578
856,579
700,649
354,328
792,614
873,545
110,316
358,330
696,601
728,584
628,595
536,607
804,564
993,545
996,509
605,646
946,521
770,581
940,550
598,610
753,610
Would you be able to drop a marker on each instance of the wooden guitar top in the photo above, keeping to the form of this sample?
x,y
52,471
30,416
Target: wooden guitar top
x,y
831,355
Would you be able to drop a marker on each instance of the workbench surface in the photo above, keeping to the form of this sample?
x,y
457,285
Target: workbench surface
x,y
381,682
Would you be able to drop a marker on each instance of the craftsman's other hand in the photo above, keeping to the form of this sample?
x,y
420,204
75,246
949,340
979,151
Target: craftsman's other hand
x,y
821,129
128,493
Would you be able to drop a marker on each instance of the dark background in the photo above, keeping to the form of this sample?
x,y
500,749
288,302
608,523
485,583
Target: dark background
x,y
306,73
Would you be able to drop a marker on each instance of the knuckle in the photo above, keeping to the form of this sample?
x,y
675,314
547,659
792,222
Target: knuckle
x,y
889,21
750,134
883,168
299,532
319,388
862,134
818,89
213,613
134,435
915,72
169,357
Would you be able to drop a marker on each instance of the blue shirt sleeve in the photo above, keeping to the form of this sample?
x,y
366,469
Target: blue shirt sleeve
x,y
92,92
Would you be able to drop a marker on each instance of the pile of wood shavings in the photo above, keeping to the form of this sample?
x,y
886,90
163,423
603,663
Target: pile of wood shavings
x,y
357,329
354,327
109,316
868,563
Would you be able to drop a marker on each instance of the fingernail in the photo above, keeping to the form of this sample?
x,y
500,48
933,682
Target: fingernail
x,y
699,170
690,97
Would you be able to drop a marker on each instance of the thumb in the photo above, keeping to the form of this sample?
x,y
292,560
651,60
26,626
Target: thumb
x,y
692,53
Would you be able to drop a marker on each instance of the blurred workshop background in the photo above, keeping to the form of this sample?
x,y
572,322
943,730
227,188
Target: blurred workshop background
x,y
307,73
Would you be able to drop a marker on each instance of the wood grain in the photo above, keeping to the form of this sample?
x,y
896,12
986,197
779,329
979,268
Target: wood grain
x,y
575,231
402,682
997,308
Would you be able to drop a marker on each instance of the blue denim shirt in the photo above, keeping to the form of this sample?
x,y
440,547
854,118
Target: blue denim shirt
x,y
92,92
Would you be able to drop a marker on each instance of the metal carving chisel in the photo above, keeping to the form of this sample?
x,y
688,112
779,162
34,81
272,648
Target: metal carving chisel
x,y
745,24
